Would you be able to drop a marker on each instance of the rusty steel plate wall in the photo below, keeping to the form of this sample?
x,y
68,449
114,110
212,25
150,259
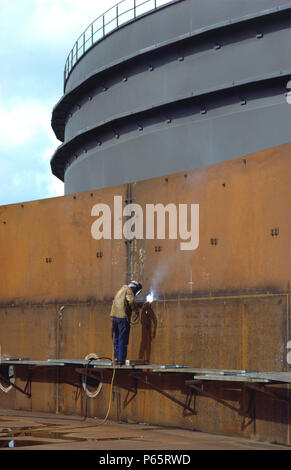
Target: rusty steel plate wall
x,y
30,331
225,305
49,255
240,203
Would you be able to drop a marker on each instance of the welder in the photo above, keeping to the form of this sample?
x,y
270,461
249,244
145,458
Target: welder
x,y
123,307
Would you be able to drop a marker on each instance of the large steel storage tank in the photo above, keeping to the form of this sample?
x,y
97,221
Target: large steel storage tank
x,y
157,88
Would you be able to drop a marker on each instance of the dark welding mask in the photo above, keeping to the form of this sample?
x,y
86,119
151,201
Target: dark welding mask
x,y
136,287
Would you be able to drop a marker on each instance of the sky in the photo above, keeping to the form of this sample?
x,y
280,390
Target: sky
x,y
35,39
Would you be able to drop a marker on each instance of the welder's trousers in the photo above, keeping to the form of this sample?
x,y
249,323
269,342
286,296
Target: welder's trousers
x,y
120,334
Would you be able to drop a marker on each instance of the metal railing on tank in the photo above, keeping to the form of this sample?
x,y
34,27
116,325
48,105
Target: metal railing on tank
x,y
125,11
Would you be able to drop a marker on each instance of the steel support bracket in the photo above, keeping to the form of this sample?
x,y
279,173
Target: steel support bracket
x,y
261,388
88,373
185,405
28,385
194,385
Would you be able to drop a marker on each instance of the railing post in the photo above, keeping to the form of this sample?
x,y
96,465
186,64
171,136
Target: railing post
x,y
70,60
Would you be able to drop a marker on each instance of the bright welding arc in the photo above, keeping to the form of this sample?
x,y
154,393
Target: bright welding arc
x,y
150,297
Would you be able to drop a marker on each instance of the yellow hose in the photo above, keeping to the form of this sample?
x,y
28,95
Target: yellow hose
x,y
111,389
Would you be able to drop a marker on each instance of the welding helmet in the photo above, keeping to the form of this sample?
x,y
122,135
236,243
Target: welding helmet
x,y
136,287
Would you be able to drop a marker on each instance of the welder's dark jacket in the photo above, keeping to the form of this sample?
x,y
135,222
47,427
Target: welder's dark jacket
x,y
123,304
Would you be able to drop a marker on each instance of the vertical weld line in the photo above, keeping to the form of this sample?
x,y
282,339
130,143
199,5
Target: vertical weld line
x,y
127,246
244,337
129,249
134,273
131,245
57,340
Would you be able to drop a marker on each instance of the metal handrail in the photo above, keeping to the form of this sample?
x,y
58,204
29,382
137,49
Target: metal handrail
x,y
102,26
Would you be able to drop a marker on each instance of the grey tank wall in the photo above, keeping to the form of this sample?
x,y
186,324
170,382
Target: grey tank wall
x,y
183,87
175,22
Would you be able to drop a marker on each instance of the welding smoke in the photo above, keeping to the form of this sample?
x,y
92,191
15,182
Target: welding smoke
x,y
162,271
150,297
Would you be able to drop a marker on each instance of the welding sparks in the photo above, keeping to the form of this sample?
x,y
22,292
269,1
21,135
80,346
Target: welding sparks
x,y
150,297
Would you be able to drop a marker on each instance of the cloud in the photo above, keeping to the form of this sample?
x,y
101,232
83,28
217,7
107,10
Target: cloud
x,y
36,37
21,121
27,145
52,21
55,186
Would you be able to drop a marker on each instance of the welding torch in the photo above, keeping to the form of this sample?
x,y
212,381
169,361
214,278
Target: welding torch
x,y
143,304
